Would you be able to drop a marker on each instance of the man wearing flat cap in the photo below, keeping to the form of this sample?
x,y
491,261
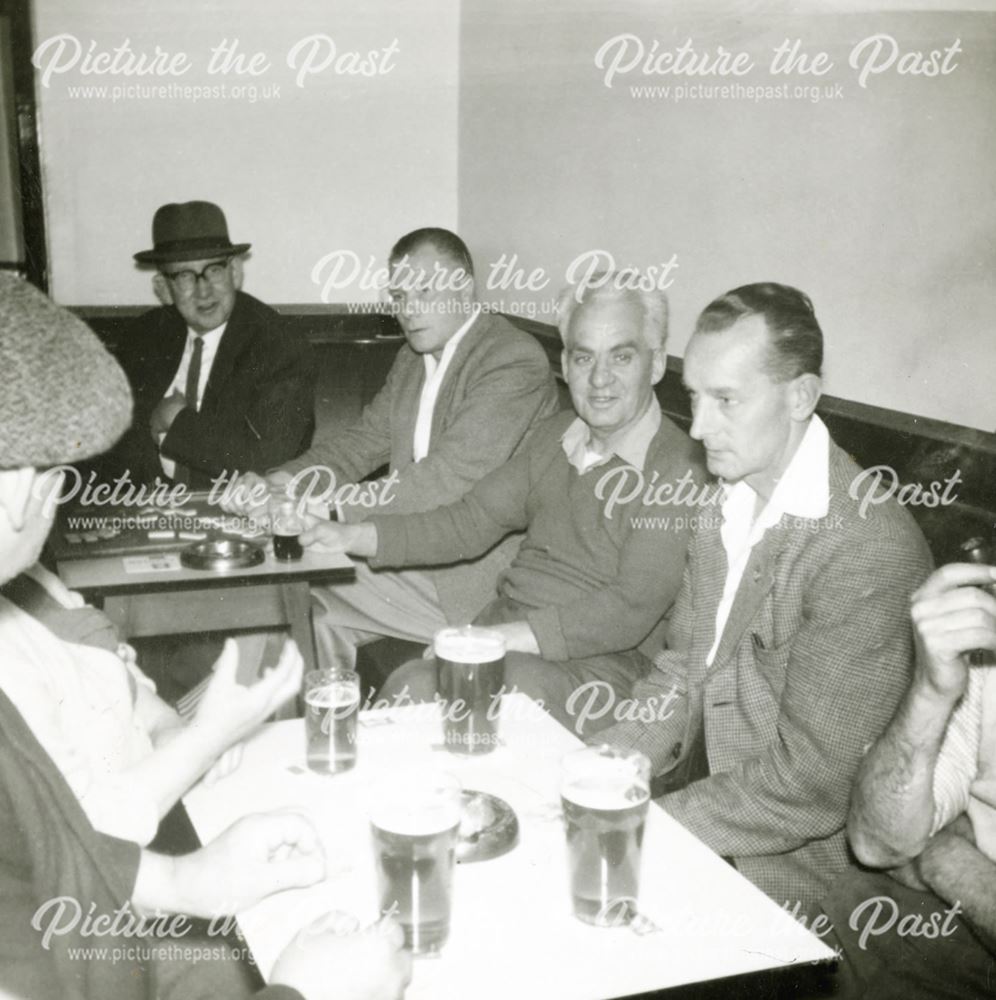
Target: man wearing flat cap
x,y
62,400
220,384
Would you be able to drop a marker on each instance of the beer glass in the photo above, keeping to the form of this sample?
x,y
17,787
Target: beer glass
x,y
286,525
470,672
331,706
415,817
604,793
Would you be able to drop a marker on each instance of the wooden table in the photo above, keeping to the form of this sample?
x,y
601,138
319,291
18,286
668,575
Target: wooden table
x,y
513,933
176,600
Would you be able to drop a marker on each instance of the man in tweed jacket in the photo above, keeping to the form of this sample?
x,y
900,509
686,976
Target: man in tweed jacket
x,y
790,645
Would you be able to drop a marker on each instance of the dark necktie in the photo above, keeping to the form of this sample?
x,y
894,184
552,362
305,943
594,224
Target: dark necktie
x,y
194,374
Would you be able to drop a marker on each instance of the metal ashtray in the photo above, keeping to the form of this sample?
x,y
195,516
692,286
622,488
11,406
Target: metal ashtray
x,y
222,555
488,827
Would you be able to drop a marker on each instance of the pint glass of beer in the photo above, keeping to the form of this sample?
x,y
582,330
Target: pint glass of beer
x,y
331,706
604,793
415,817
470,672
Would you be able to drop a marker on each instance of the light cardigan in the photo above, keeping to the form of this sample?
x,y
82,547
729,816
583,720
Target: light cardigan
x,y
497,388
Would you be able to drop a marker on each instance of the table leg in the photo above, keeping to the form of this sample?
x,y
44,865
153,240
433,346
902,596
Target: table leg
x,y
118,609
296,598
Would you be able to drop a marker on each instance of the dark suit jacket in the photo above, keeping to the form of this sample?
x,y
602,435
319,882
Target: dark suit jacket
x,y
815,655
258,406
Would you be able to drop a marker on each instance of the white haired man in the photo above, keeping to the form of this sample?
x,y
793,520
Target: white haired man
x,y
599,565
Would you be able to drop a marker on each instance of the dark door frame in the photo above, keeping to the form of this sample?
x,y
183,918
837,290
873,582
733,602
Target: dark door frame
x,y
35,263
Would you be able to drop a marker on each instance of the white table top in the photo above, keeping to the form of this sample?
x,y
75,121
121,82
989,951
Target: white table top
x,y
512,933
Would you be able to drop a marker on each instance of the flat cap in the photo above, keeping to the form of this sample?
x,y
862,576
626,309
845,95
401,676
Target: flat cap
x,y
63,397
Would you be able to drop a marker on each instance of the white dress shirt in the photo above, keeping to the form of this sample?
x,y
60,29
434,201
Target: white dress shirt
x,y
802,491
965,773
211,341
435,371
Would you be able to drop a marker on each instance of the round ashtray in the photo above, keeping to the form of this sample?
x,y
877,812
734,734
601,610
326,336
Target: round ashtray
x,y
222,555
488,827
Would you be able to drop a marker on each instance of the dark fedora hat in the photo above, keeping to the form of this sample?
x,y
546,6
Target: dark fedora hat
x,y
194,230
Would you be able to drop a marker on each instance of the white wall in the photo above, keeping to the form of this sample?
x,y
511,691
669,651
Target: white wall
x,y
344,162
881,204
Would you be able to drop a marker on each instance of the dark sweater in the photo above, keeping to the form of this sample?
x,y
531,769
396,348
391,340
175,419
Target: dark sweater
x,y
590,584
48,850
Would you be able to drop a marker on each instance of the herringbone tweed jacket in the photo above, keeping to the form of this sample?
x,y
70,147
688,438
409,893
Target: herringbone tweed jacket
x,y
816,653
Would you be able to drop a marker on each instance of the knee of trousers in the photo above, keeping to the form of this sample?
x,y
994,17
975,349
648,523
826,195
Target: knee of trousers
x,y
416,679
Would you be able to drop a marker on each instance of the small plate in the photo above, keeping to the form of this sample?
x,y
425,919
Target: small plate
x,y
489,827
222,555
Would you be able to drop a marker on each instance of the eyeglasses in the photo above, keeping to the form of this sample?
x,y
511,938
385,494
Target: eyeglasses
x,y
186,281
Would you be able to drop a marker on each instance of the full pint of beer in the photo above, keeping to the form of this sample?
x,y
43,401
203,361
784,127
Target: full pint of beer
x,y
470,672
604,794
331,707
415,819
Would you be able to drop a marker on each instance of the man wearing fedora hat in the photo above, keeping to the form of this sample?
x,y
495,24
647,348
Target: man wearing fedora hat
x,y
219,384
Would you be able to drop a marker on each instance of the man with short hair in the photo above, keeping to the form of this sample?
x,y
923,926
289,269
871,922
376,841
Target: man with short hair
x,y
600,563
789,646
220,384
461,398
66,399
924,809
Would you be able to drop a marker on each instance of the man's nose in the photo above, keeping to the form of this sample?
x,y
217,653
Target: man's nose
x,y
702,419
601,374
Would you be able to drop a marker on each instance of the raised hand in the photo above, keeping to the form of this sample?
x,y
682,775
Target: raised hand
x,y
229,711
952,615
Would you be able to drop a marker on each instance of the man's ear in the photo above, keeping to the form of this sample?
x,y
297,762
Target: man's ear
x,y
466,286
161,287
237,273
15,494
658,365
805,394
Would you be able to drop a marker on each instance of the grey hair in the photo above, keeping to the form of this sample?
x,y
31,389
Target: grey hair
x,y
616,286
